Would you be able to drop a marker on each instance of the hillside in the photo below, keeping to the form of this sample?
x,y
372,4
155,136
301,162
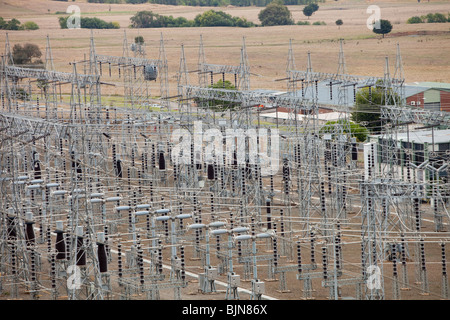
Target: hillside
x,y
424,46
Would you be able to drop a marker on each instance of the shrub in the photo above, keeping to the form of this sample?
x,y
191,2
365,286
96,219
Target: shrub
x,y
224,3
414,19
319,23
211,18
439,18
430,18
15,24
303,23
105,1
30,25
90,23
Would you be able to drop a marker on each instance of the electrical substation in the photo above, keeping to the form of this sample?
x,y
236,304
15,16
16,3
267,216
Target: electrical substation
x,y
191,195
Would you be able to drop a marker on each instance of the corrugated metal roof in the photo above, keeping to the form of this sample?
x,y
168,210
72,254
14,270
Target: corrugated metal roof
x,y
413,90
324,96
329,116
436,85
425,136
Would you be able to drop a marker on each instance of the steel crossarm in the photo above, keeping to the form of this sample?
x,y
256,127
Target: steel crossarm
x,y
360,81
286,268
126,61
217,68
309,275
258,258
35,128
389,188
134,280
342,282
48,75
248,98
418,115
308,267
165,285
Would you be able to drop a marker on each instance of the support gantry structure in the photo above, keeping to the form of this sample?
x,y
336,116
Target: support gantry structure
x,y
120,201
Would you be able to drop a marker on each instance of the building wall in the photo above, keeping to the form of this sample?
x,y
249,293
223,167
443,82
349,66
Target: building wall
x,y
445,101
430,97
415,100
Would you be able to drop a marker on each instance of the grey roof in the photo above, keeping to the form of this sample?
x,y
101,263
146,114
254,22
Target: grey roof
x,y
324,96
425,136
434,85
411,90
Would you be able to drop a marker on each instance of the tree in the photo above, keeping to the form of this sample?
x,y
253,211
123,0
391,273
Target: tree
x,y
146,19
22,94
2,23
367,109
90,23
314,6
275,14
13,24
310,9
339,23
436,18
385,27
222,105
139,40
356,130
25,54
223,85
212,18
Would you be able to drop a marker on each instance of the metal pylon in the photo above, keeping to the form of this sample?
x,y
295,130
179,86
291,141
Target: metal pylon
x,y
163,73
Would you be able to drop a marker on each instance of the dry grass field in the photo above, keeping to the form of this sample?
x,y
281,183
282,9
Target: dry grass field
x,y
424,47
